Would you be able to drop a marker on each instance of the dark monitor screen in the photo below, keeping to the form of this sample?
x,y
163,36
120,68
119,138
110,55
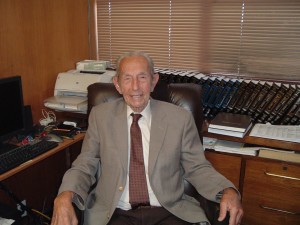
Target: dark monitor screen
x,y
12,107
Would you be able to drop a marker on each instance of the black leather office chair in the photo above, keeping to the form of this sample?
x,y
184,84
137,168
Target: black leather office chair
x,y
185,95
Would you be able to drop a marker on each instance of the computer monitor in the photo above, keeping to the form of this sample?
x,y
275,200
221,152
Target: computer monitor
x,y
12,118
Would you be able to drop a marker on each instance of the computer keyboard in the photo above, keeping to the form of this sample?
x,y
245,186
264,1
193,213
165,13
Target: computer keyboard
x,y
22,154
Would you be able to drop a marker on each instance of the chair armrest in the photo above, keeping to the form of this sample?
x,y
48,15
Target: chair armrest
x,y
211,209
79,214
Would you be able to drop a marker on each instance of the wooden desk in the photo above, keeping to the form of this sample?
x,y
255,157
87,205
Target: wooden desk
x,y
269,188
62,146
37,181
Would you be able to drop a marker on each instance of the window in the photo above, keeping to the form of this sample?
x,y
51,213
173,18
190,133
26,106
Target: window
x,y
257,38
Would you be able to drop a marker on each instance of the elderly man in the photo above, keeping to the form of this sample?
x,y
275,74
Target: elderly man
x,y
157,140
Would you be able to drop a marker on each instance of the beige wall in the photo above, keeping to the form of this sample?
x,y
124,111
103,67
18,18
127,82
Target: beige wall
x,y
39,39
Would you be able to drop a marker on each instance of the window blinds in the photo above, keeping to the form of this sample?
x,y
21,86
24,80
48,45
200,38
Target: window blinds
x,y
256,38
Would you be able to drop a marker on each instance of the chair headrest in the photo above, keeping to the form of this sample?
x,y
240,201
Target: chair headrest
x,y
186,95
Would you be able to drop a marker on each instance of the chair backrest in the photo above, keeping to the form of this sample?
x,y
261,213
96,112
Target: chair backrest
x,y
186,95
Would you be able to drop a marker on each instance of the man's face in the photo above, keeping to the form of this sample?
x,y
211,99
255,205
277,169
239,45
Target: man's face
x,y
135,82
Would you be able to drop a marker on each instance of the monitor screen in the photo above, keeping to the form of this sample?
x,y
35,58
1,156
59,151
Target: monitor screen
x,y
12,107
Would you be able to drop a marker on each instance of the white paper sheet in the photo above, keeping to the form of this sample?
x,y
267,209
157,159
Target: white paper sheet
x,y
277,132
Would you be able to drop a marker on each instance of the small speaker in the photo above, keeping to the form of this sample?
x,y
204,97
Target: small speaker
x,y
28,118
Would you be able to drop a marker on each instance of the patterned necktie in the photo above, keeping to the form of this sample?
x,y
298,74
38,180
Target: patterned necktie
x,y
138,191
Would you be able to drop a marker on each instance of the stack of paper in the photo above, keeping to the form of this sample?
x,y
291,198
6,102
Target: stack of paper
x,y
209,143
277,132
235,147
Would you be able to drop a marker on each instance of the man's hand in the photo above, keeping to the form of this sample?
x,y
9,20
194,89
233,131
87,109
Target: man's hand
x,y
230,202
64,213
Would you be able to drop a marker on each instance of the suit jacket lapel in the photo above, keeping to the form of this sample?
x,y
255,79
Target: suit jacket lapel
x,y
157,134
121,133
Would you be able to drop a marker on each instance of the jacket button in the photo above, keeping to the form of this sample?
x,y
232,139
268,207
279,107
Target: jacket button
x,y
121,188
108,216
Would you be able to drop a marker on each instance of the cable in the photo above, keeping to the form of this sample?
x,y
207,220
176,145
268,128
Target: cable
x,y
48,117
42,214
25,208
14,198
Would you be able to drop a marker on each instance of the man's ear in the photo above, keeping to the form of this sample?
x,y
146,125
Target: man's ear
x,y
155,79
116,83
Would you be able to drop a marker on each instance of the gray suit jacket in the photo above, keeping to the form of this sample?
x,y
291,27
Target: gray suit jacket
x,y
175,153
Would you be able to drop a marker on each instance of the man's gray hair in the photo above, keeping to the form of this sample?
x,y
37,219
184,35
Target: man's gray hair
x,y
135,53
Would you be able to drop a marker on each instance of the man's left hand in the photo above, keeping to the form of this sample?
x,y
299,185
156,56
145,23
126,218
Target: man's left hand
x,y
230,202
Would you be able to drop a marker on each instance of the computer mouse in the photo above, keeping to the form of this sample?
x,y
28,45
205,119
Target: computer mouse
x,y
53,137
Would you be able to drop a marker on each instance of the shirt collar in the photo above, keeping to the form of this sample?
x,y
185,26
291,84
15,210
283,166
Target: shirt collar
x,y
146,113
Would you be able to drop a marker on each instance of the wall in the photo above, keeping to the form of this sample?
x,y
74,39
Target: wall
x,y
39,39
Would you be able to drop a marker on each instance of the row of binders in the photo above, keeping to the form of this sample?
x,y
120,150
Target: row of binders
x,y
263,101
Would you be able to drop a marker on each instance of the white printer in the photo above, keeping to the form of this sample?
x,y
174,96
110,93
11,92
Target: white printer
x,y
70,92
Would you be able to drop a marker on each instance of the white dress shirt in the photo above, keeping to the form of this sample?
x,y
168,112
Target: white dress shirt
x,y
145,126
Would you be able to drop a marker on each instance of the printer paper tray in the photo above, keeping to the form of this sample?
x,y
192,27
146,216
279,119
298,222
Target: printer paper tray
x,y
67,103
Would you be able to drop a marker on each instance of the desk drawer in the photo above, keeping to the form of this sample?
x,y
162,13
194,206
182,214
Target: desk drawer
x,y
271,193
228,165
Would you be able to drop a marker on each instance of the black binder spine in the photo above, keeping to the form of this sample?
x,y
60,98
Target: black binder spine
x,y
291,112
280,108
255,104
295,117
206,87
273,103
252,97
244,97
195,80
237,96
216,88
230,95
224,92
212,91
285,108
266,101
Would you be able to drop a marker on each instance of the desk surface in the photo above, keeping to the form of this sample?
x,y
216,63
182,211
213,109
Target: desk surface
x,y
60,147
265,142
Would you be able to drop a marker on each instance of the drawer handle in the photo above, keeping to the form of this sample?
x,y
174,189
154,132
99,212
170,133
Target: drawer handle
x,y
286,177
279,210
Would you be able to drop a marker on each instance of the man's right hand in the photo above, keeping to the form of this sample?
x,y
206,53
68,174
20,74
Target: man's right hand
x,y
63,212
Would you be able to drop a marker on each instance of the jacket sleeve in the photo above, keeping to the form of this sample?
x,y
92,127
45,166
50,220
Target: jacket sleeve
x,y
82,175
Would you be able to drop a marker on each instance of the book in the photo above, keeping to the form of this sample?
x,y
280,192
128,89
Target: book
x,y
252,97
237,96
244,97
206,85
228,132
260,97
296,117
197,79
215,93
231,122
207,88
265,116
291,112
222,96
289,156
284,104
267,99
232,91
212,92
